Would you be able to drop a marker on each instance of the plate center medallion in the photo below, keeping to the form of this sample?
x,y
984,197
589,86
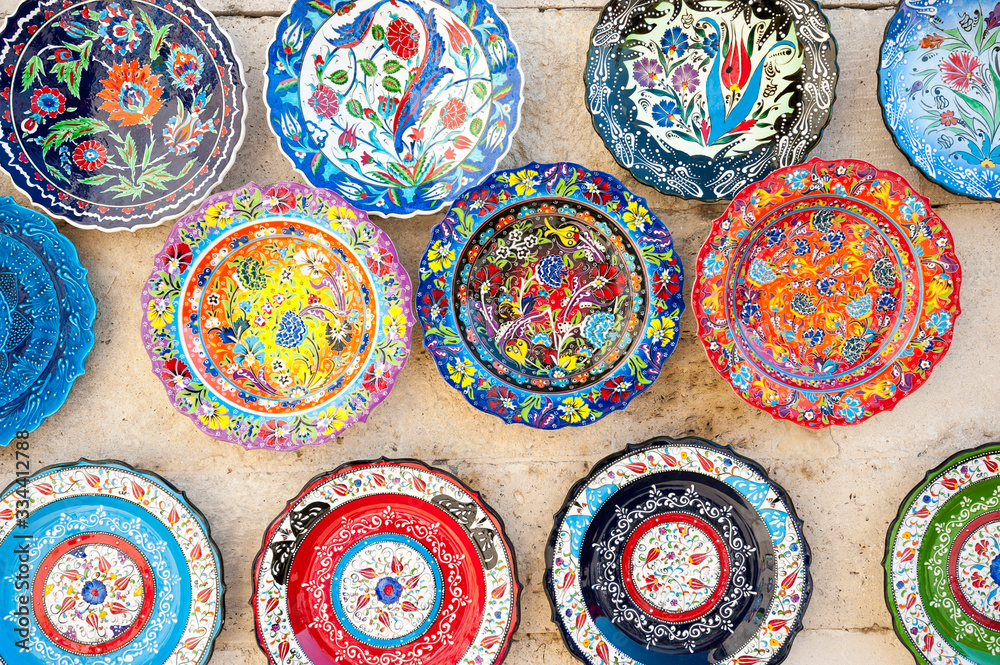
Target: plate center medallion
x,y
387,100
93,594
818,295
700,100
387,590
974,570
286,314
677,567
548,293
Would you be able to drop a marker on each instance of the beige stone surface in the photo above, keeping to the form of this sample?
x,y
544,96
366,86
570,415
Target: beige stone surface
x,y
846,482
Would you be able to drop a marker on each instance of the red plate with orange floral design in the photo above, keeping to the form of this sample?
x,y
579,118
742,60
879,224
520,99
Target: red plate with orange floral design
x,y
827,292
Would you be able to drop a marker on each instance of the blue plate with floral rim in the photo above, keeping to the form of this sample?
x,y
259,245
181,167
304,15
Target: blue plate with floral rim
x,y
550,295
701,99
46,318
396,105
122,114
939,85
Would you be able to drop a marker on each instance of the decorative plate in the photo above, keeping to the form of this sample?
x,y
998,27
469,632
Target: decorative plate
x,y
550,295
397,105
277,316
939,85
700,99
388,561
942,562
46,319
122,114
827,292
677,551
108,565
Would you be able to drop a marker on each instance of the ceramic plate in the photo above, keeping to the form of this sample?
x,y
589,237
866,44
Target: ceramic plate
x,y
677,552
277,316
397,105
827,292
116,565
46,319
122,114
700,99
386,562
550,295
942,562
939,85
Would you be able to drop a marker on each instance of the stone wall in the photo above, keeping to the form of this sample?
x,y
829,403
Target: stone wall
x,y
846,482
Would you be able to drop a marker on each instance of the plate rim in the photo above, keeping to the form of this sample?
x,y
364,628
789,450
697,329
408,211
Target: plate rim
x,y
227,166
812,146
446,202
667,441
402,461
169,486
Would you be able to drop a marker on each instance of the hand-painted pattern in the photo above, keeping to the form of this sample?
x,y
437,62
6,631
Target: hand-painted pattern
x,y
397,106
277,316
148,587
123,113
388,589
675,566
939,562
382,562
95,593
940,92
700,100
663,483
550,295
978,569
46,319
827,292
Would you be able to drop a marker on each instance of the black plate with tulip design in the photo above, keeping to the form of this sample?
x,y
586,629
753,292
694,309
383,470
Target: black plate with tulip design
x,y
122,114
700,99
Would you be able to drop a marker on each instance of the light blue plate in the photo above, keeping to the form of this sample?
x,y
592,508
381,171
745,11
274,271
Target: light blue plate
x,y
46,318
939,85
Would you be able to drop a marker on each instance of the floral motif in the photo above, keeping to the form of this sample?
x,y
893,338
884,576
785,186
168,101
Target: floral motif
x,y
299,325
423,568
393,112
706,91
941,102
155,101
836,333
549,295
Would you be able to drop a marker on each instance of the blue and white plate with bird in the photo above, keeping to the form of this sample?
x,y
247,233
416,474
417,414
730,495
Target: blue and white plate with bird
x,y
397,105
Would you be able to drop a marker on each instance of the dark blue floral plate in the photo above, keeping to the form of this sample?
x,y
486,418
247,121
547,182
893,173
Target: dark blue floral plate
x,y
701,99
46,318
550,295
121,114
678,552
939,85
396,105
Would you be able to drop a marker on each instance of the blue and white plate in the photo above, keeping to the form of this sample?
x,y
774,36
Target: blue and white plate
x,y
46,318
396,105
939,85
108,565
